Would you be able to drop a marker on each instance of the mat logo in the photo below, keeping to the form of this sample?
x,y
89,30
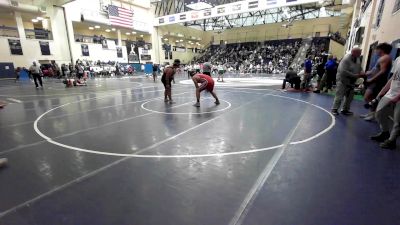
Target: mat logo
x,y
271,2
182,17
237,7
221,10
161,20
253,4
171,19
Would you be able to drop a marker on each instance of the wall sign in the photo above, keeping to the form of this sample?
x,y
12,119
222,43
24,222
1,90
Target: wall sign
x,y
85,49
15,47
44,47
119,52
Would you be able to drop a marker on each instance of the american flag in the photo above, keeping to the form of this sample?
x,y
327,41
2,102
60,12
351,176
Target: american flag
x,y
120,17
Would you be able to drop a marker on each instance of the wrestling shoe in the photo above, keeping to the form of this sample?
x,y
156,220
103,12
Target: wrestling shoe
x,y
347,112
217,102
197,104
381,137
335,112
388,144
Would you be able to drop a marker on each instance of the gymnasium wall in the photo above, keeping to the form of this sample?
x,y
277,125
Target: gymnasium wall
x,y
388,30
31,50
336,49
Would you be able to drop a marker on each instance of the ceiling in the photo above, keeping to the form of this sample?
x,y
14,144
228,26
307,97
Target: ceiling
x,y
44,2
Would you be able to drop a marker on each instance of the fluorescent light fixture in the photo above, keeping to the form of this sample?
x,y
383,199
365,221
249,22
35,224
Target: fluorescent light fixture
x,y
199,6
97,27
176,41
35,20
165,39
141,35
91,28
181,40
39,18
113,29
127,33
108,30
133,32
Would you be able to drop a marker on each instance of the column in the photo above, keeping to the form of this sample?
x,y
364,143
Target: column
x,y
119,37
20,25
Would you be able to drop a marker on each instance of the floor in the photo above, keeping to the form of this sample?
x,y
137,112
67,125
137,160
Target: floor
x,y
114,153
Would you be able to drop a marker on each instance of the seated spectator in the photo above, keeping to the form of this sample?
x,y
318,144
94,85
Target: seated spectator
x,y
292,78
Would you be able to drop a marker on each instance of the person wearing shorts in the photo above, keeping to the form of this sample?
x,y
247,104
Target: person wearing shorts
x,y
167,78
206,83
221,71
378,76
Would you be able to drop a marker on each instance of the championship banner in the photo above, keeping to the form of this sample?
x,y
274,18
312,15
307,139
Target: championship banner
x,y
85,49
15,47
244,6
133,51
44,47
119,52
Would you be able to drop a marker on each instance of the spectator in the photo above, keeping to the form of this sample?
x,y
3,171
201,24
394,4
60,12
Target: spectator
x,y
307,72
331,70
292,79
348,72
389,106
207,68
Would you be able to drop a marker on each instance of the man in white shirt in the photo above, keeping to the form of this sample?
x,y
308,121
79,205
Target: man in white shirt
x,y
389,105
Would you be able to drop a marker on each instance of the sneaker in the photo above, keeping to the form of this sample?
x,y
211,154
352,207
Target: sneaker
x,y
3,162
370,117
165,100
347,112
317,91
217,102
197,104
366,115
388,144
335,112
381,137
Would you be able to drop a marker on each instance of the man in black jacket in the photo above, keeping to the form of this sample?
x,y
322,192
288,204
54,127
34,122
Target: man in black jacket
x,y
292,78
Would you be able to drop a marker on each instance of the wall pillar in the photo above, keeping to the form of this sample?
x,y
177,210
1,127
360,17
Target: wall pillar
x,y
20,25
119,37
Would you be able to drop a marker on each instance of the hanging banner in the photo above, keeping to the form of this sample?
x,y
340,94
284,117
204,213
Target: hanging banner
x,y
145,57
15,47
119,52
133,51
85,49
44,47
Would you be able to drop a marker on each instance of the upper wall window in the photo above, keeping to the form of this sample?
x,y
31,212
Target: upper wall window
x,y
380,12
396,6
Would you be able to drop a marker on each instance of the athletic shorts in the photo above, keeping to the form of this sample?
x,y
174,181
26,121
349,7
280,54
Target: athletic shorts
x,y
375,88
207,73
207,84
163,80
220,72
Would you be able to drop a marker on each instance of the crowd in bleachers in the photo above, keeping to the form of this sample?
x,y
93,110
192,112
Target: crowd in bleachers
x,y
271,57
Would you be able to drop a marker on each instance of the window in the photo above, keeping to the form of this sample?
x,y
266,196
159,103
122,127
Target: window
x,y
379,14
396,6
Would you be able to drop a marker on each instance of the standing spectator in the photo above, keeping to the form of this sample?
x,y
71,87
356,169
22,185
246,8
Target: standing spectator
x,y
331,70
380,74
79,71
207,68
155,71
320,73
307,72
55,68
17,71
348,72
389,105
36,74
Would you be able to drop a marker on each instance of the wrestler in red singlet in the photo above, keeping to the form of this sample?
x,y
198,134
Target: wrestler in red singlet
x,y
206,83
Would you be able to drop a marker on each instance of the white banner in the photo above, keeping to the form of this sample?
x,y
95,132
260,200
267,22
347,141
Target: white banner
x,y
228,9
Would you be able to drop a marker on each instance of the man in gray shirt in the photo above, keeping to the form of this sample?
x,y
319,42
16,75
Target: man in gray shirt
x,y
349,71
35,71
